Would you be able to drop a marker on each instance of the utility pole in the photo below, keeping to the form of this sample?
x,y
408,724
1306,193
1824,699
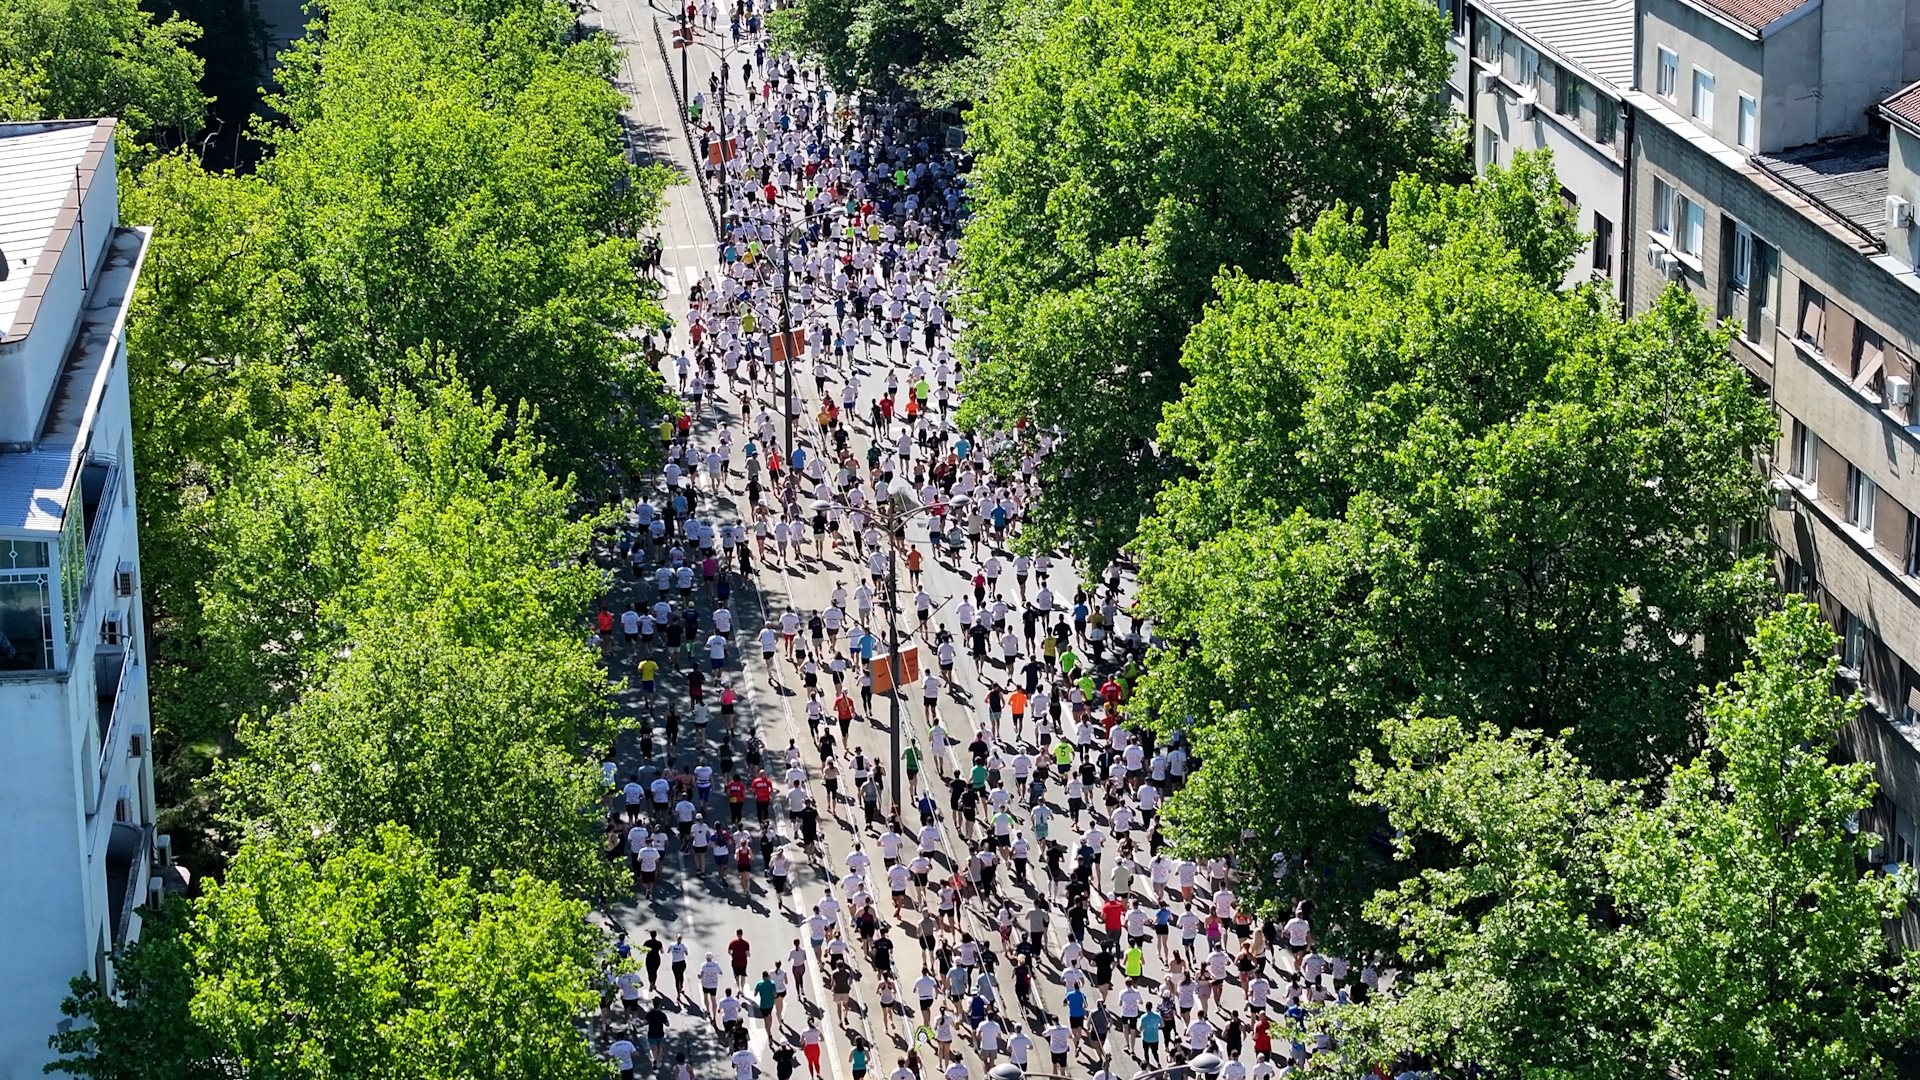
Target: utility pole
x,y
893,649
786,327
686,34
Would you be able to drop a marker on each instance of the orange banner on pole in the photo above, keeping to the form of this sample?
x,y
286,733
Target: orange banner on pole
x,y
713,151
791,343
882,671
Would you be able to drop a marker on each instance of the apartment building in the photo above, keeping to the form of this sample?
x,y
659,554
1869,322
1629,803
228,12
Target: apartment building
x,y
1530,74
1773,175
1765,156
76,782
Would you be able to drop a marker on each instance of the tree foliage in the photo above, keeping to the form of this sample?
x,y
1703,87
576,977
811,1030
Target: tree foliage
x,y
376,962
73,59
1425,478
446,210
1136,150
459,182
395,603
1714,922
946,52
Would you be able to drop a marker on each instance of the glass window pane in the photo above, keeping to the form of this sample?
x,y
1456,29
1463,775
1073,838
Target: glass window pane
x,y
26,624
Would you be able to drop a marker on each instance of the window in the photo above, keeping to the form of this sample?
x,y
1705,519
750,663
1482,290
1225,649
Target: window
x,y
26,620
1489,147
1740,264
1913,546
1869,359
1743,132
1570,202
1861,493
1602,245
1566,94
1763,284
1813,316
1526,67
1806,453
1667,80
1906,837
1662,207
1693,225
1853,643
1489,40
1703,97
1606,122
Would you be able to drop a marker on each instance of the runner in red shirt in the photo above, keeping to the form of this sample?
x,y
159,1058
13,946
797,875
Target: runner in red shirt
x,y
737,950
762,796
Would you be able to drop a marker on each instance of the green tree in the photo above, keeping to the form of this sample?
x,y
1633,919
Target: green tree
x,y
871,44
377,962
1137,149
70,59
477,747
1426,478
1715,923
456,180
945,52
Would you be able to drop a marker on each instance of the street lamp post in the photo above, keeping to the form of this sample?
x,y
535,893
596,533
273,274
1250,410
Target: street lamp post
x,y
786,312
898,507
685,40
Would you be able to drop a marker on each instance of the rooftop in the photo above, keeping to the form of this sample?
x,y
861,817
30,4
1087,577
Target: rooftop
x,y
1845,177
34,484
1755,15
1595,36
1903,108
39,165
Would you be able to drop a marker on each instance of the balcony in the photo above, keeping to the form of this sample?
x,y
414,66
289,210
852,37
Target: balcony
x,y
129,865
111,668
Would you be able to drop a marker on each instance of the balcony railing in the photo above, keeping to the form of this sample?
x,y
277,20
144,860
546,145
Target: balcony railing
x,y
129,865
111,668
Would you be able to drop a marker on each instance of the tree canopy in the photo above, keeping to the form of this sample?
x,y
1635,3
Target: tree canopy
x,y
71,59
1713,921
946,52
1139,147
1426,478
377,961
446,212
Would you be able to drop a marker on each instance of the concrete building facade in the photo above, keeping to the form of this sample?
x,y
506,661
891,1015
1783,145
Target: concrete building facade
x,y
1768,180
76,780
1766,159
1532,74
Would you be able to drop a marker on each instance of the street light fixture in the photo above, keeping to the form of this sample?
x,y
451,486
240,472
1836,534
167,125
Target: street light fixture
x,y
1203,1064
786,309
683,39
899,505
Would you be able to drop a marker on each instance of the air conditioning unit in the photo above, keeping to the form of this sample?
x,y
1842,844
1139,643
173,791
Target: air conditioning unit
x,y
110,628
1899,213
136,745
1783,499
123,805
1528,100
1486,82
1657,255
1672,267
156,892
163,850
123,579
1899,390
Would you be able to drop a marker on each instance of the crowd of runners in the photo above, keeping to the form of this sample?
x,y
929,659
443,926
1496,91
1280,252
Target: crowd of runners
x,y
1018,906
